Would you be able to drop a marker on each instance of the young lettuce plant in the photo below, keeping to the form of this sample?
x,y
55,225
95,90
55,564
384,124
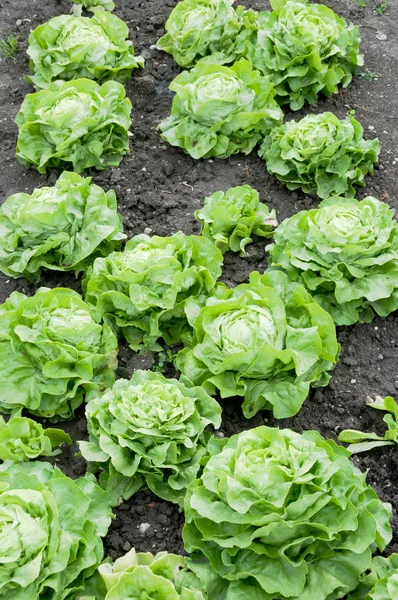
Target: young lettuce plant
x,y
267,341
219,111
94,6
77,124
52,353
306,49
62,228
360,441
23,439
50,531
69,47
142,292
320,153
346,254
381,582
203,28
149,432
229,219
283,515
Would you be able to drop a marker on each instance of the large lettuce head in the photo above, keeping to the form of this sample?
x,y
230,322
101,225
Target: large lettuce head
x,y
63,228
346,253
149,432
307,50
142,292
50,531
219,111
23,439
94,6
76,124
284,515
267,341
52,352
381,582
320,153
69,47
199,28
229,219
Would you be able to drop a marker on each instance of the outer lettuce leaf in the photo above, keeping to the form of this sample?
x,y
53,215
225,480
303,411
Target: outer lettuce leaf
x,y
69,47
286,514
346,253
50,533
52,353
267,341
219,111
306,49
23,439
149,432
229,219
77,124
142,292
62,228
321,154
381,583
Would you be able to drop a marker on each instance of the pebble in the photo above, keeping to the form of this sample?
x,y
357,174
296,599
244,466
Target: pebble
x,y
380,35
18,22
147,231
143,527
126,546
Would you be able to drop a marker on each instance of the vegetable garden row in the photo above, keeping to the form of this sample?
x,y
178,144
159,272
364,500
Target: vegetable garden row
x,y
269,513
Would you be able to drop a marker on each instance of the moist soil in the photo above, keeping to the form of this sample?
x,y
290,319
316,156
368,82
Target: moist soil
x,y
158,189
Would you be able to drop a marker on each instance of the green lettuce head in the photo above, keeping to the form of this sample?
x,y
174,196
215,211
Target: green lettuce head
x,y
50,531
202,28
219,111
142,292
77,124
52,353
267,341
62,228
94,6
320,153
149,432
346,254
381,582
307,50
69,47
229,219
23,439
283,515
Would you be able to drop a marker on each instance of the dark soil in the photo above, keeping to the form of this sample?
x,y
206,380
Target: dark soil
x,y
159,188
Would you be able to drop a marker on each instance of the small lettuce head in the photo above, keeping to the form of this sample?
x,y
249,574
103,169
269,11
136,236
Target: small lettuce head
x,y
94,6
202,28
149,432
76,124
320,153
62,228
50,531
142,292
283,515
23,439
219,111
381,582
52,353
69,47
346,254
229,218
267,341
307,50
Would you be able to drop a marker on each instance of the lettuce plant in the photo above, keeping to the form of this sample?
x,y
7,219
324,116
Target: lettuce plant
x,y
149,432
52,353
320,153
381,582
346,253
267,341
63,228
202,28
69,47
142,292
50,528
306,49
284,515
77,124
229,219
219,111
23,439
94,6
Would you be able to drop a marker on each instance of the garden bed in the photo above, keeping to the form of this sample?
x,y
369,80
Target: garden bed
x,y
158,189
